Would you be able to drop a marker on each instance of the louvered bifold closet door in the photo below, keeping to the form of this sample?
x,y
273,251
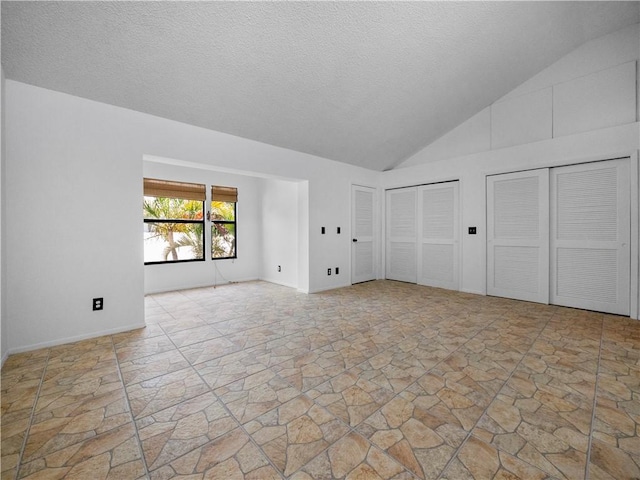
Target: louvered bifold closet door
x,y
590,236
518,235
362,227
438,231
401,235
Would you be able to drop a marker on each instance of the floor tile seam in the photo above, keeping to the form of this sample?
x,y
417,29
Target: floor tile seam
x,y
587,470
470,433
130,410
395,395
354,430
177,349
240,348
302,393
239,425
350,431
242,378
31,418
131,359
213,324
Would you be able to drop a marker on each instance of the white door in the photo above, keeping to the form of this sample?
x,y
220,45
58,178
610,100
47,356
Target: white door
x,y
362,229
590,236
401,261
518,235
438,233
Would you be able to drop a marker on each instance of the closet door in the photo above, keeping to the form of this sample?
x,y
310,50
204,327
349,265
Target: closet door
x,y
362,227
590,236
518,235
401,234
438,233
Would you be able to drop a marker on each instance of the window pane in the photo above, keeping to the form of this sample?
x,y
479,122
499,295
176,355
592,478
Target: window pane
x,y
223,211
173,241
173,208
223,240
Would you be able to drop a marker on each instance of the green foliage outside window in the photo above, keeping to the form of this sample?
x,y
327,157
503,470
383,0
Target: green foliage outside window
x,y
180,239
223,230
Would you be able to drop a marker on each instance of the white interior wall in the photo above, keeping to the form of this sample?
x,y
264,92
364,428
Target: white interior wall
x,y
602,72
80,163
303,236
279,235
166,277
587,89
472,170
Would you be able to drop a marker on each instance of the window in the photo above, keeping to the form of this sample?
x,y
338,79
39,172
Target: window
x,y
173,221
223,222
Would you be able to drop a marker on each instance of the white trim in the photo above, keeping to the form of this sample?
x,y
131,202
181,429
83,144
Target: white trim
x,y
203,285
563,162
282,284
472,292
329,287
635,236
79,338
4,358
434,180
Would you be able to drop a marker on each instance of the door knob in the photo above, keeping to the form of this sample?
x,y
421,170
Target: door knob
x,y
354,240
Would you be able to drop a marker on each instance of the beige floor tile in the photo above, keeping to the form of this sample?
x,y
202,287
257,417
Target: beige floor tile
x,y
151,329
146,368
544,426
286,348
295,433
131,349
256,394
457,403
310,370
110,455
182,338
352,457
175,431
208,350
231,456
422,442
350,397
69,413
609,462
392,369
164,391
229,368
379,380
478,460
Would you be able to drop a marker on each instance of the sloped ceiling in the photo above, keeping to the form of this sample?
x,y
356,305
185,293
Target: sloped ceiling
x,y
364,83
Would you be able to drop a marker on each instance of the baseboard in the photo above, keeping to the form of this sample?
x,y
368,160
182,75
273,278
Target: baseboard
x,y
78,338
200,285
4,357
276,282
473,292
329,287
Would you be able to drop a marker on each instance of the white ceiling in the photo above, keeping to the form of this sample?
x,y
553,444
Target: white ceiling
x,y
364,83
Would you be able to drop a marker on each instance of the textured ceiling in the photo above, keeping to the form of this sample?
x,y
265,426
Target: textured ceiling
x,y
365,83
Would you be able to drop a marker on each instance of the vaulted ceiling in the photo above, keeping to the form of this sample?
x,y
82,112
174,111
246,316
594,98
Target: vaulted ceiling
x,y
366,83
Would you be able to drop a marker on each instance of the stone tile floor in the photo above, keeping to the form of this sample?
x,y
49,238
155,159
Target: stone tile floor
x,y
381,380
